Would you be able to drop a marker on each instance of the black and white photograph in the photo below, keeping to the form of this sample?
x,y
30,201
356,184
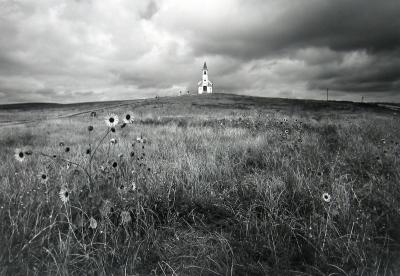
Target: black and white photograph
x,y
200,137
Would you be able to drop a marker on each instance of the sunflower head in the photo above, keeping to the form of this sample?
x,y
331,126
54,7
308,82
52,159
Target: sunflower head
x,y
111,120
64,194
43,177
326,197
19,155
128,118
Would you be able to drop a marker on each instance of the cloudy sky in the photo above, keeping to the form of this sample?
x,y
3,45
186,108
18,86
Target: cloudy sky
x,y
87,50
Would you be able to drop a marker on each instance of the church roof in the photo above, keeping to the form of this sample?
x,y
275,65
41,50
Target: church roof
x,y
205,66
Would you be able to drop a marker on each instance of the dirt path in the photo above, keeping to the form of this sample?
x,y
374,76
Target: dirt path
x,y
389,106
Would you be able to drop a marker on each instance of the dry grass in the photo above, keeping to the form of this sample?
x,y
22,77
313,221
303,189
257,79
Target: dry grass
x,y
238,192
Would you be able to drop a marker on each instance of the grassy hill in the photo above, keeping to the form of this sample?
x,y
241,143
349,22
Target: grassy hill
x,y
200,185
194,104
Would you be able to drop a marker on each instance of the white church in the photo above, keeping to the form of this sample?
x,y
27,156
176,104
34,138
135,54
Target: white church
x,y
205,85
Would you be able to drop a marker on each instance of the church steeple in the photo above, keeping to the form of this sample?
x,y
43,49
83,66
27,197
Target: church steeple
x,y
205,85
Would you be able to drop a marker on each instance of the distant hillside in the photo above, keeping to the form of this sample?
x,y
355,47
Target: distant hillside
x,y
210,102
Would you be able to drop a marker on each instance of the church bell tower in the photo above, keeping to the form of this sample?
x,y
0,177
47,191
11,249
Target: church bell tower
x,y
205,85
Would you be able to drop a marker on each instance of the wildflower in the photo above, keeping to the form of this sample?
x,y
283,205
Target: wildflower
x,y
140,140
125,217
286,131
61,144
121,188
69,165
133,185
90,128
67,149
128,118
92,223
132,154
326,197
43,178
111,120
113,141
105,208
113,129
19,155
114,164
88,151
64,194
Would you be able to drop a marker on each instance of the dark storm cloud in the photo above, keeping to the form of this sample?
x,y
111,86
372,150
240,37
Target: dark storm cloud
x,y
340,25
271,30
88,50
379,73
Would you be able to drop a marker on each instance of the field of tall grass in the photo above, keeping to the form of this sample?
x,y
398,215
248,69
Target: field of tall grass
x,y
195,189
